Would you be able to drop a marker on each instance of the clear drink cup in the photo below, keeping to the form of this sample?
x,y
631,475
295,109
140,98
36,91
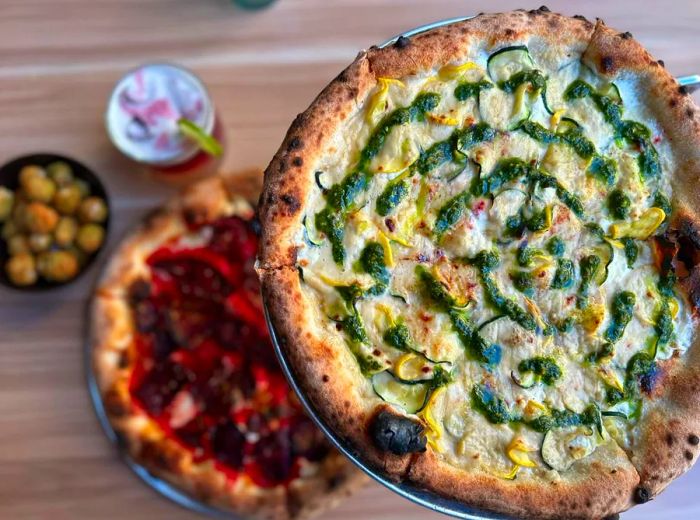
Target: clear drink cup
x,y
161,116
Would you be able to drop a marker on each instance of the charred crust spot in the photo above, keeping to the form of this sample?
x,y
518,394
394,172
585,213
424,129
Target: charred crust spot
x,y
325,378
683,90
581,17
115,406
616,516
397,434
688,455
124,360
625,35
139,290
402,42
295,143
641,495
670,439
606,64
690,112
297,161
662,63
693,439
343,76
292,202
194,217
544,9
282,165
673,103
509,32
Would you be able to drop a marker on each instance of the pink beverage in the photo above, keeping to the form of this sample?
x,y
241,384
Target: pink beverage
x,y
143,114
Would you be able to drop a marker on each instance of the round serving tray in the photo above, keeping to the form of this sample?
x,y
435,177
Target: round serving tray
x,y
414,493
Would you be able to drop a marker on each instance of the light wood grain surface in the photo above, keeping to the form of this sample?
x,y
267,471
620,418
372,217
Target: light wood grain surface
x,y
58,61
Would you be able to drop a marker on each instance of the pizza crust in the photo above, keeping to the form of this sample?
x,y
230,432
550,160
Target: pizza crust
x,y
111,336
673,426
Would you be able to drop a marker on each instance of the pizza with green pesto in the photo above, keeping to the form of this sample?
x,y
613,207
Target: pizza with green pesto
x,y
479,255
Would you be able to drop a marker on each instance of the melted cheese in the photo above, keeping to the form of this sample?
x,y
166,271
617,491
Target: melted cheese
x,y
460,433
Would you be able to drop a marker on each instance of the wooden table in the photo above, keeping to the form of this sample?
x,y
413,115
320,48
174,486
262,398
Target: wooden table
x,y
58,61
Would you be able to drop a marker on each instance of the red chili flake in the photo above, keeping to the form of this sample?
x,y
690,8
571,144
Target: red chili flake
x,y
657,139
570,299
425,317
479,206
376,352
426,369
390,225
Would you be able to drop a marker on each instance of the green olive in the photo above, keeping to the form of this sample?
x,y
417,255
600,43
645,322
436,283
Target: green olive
x,y
81,255
65,231
19,214
40,189
21,269
58,266
90,237
92,209
39,218
7,200
67,199
84,187
9,229
39,242
60,172
30,172
18,244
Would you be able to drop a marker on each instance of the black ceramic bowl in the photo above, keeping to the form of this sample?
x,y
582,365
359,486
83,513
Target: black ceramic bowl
x,y
9,178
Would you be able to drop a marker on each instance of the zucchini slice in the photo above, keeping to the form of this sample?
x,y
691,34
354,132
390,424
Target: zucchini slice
x,y
310,233
561,447
320,185
508,61
410,397
527,380
612,91
607,253
412,367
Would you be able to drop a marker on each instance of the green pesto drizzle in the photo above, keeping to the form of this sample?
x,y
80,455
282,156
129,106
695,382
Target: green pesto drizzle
x,y
534,77
341,197
495,409
564,275
485,262
631,251
473,343
451,213
451,149
544,368
399,337
619,204
573,137
468,89
632,131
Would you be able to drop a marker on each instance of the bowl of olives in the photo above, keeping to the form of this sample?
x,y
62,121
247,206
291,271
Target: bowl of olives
x,y
54,218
